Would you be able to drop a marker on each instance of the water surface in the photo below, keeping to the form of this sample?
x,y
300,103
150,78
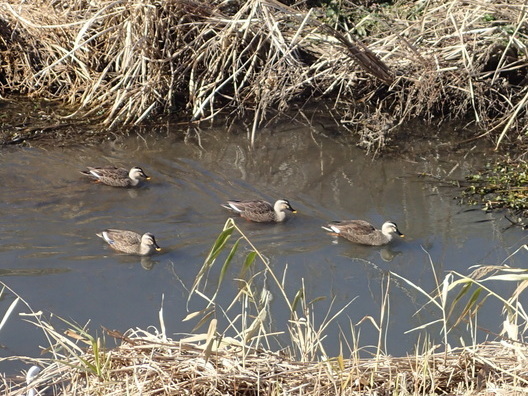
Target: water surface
x,y
50,213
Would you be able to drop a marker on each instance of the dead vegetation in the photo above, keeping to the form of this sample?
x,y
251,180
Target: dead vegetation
x,y
150,364
122,62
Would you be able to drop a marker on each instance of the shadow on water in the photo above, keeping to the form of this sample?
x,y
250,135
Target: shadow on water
x,y
50,215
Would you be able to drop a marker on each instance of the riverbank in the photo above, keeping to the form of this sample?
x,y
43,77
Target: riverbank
x,y
151,364
380,65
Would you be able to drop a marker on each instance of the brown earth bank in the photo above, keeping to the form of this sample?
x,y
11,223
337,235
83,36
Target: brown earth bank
x,y
380,64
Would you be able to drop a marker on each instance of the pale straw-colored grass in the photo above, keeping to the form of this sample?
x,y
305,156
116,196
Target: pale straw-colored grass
x,y
150,364
125,61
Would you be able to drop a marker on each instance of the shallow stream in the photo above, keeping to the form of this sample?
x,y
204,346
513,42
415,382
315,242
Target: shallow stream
x,y
50,213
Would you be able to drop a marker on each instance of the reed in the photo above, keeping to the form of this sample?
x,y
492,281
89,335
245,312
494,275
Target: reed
x,y
235,354
122,62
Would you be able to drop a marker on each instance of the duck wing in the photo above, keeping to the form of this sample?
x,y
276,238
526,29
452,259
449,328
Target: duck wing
x,y
121,237
354,227
252,206
108,172
257,206
254,210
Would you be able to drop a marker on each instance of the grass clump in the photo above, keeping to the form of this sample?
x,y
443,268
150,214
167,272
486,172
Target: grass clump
x,y
500,185
378,65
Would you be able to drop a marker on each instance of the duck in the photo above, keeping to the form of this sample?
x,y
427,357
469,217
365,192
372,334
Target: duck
x,y
130,242
364,233
116,177
260,211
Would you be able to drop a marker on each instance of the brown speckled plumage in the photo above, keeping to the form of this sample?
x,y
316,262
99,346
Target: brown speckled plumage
x,y
130,242
260,211
117,177
362,232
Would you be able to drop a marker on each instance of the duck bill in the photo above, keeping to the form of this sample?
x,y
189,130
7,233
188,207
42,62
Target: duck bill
x,y
158,249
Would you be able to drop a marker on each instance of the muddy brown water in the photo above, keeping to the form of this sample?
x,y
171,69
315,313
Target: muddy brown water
x,y
51,257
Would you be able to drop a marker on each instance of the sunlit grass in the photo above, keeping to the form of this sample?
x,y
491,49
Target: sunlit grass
x,y
379,67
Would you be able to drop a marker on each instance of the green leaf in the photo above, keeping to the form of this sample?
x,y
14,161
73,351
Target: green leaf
x,y
298,296
218,246
227,262
472,301
465,288
248,262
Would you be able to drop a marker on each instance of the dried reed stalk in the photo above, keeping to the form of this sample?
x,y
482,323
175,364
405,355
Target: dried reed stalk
x,y
124,61
148,364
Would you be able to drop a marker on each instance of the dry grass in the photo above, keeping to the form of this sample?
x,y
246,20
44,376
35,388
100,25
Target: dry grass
x,y
150,364
124,61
